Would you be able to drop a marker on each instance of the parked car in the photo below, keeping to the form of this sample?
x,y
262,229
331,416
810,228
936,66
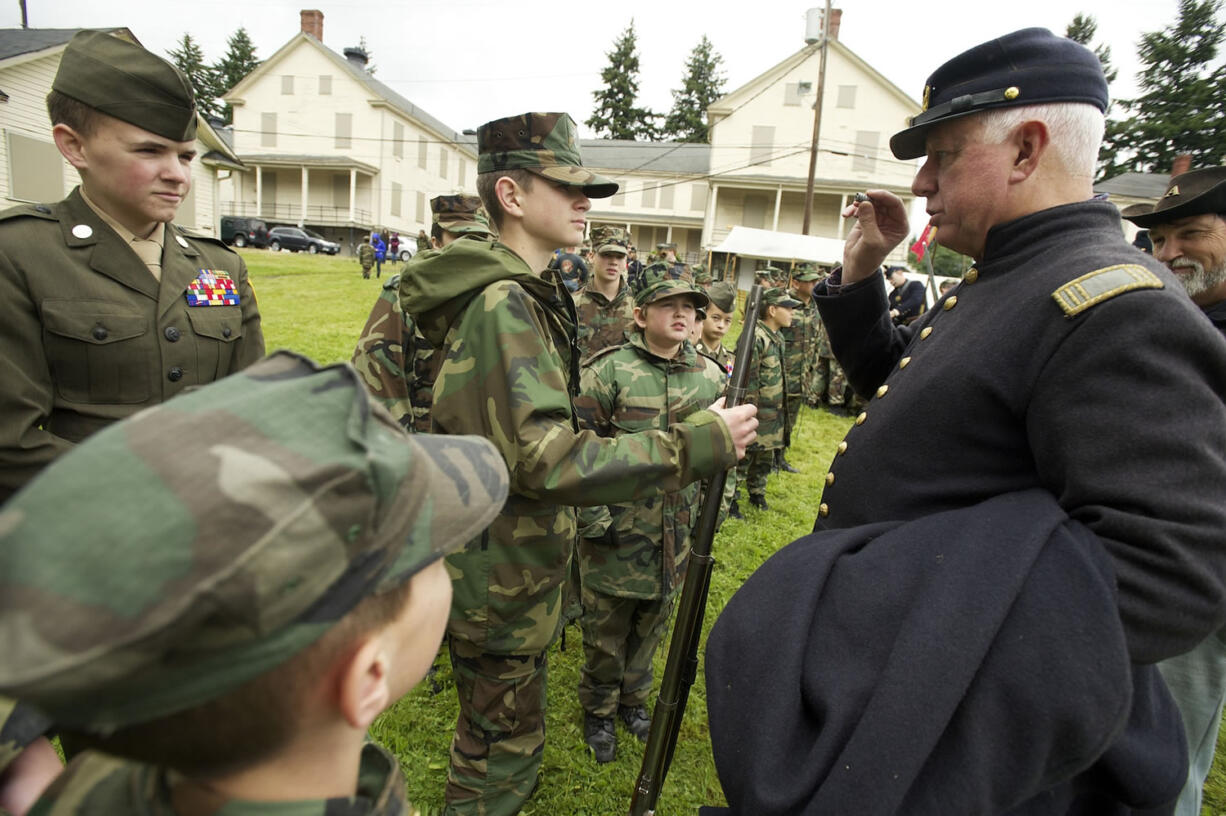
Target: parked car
x,y
243,232
295,240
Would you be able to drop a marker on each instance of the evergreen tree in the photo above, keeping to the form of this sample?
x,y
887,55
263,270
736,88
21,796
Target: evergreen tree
x,y
1082,30
616,116
203,77
1181,108
703,84
239,60
944,261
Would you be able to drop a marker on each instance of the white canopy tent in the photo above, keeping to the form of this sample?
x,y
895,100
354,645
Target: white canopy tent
x,y
748,242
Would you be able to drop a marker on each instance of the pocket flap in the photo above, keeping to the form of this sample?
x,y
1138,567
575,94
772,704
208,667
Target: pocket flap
x,y
217,323
91,321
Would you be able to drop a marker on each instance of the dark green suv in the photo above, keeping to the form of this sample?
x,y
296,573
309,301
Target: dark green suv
x,y
243,232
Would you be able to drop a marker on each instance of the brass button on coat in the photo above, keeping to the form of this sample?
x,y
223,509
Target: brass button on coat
x,y
863,416
842,449
882,391
823,510
927,331
829,479
972,275
950,302
904,362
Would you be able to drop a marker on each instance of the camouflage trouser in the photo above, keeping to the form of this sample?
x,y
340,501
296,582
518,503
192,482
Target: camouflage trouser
x,y
830,383
620,637
794,403
365,271
754,469
500,733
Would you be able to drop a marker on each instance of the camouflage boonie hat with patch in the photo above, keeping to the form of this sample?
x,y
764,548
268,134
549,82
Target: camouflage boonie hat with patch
x,y
701,275
545,144
121,79
723,295
215,536
610,239
460,214
806,272
658,281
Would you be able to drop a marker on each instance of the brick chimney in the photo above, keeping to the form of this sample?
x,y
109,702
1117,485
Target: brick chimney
x,y
313,23
836,18
1181,165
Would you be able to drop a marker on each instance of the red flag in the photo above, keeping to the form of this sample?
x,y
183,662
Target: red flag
x,y
921,245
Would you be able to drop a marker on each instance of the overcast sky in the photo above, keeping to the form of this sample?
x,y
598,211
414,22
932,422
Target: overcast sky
x,y
469,61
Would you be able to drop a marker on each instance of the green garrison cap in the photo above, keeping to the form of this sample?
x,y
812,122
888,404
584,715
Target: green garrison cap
x,y
542,143
177,554
659,281
123,80
723,295
460,214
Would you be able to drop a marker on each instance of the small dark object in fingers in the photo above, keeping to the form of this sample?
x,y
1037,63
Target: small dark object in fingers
x,y
861,198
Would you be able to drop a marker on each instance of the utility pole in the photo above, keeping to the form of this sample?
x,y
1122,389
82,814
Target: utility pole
x,y
25,20
817,121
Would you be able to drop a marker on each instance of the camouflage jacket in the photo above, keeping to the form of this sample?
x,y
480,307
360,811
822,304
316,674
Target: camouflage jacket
x,y
603,323
421,380
628,389
801,341
96,783
509,372
382,352
766,387
366,255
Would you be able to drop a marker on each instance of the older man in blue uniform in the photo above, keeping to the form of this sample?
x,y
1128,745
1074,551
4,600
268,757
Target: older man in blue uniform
x,y
1187,231
1065,351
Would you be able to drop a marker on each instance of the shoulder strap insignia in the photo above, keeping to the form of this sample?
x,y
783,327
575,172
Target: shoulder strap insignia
x,y
28,211
1094,287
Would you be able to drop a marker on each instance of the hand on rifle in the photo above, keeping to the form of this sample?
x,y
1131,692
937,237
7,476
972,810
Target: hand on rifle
x,y
742,422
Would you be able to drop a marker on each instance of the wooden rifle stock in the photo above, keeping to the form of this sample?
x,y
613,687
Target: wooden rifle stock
x,y
681,670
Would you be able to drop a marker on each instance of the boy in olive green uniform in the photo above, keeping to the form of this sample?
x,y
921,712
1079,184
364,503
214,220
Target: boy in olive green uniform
x,y
263,577
392,357
509,372
632,568
801,339
106,307
767,388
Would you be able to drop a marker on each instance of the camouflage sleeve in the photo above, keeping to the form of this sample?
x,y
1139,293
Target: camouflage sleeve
x,y
594,409
19,726
380,357
421,380
251,345
503,379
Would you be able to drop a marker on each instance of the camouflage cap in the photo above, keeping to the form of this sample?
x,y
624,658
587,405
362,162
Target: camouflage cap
x,y
723,295
806,272
542,143
610,239
777,296
213,537
659,281
460,214
121,79
701,275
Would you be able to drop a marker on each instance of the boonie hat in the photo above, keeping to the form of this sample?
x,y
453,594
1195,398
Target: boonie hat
x,y
121,79
213,537
1028,67
544,144
1197,192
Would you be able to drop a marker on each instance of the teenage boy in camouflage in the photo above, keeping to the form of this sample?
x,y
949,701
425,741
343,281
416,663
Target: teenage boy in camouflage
x,y
801,350
604,307
263,577
393,359
716,324
767,388
509,372
633,565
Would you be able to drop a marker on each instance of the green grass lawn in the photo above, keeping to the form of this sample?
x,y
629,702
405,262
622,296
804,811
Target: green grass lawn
x,y
318,305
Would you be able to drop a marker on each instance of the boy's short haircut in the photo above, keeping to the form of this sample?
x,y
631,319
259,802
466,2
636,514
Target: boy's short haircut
x,y
486,184
256,720
436,232
64,110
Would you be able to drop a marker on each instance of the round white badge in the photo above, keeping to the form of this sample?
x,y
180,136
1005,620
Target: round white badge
x,y
182,241
82,230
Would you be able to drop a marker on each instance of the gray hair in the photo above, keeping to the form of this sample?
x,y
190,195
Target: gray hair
x,y
1076,131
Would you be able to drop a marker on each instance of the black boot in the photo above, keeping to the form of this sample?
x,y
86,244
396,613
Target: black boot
x,y
600,737
758,501
734,511
782,462
636,720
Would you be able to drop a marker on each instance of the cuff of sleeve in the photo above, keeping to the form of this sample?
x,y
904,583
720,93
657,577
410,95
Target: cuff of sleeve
x,y
709,448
